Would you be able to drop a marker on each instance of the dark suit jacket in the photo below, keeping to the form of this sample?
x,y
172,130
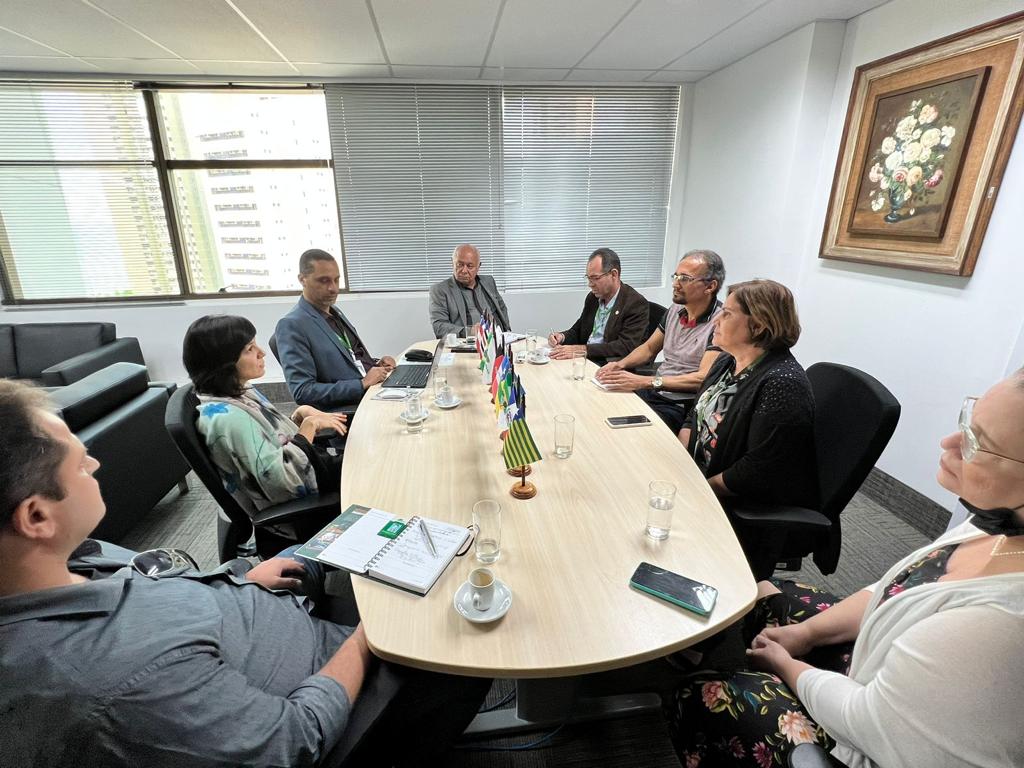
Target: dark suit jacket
x,y
626,328
318,368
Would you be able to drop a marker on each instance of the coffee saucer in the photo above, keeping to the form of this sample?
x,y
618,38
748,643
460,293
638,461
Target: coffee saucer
x,y
499,606
448,406
536,360
405,418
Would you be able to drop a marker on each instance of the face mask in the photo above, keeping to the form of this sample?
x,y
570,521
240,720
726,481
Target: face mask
x,y
995,521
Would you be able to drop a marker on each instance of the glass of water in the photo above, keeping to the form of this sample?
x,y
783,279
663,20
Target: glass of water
x,y
579,364
531,341
487,521
414,414
440,381
565,428
661,498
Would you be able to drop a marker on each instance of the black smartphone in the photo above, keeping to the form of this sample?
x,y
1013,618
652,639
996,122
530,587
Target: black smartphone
x,y
676,589
618,422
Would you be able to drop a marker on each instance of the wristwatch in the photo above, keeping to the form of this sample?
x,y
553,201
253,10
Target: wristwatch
x,y
657,382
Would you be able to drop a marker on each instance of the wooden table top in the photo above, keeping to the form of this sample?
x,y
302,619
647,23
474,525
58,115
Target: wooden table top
x,y
567,554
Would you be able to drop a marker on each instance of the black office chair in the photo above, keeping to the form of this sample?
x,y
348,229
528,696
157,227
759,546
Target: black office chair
x,y
272,343
655,314
234,526
854,417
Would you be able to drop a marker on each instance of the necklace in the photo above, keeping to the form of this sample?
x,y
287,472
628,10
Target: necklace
x,y
998,543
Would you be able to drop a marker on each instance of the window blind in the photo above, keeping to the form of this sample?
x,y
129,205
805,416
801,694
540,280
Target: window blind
x,y
81,212
418,170
586,168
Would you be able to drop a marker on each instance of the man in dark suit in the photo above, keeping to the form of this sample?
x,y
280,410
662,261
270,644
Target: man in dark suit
x,y
325,362
462,298
614,318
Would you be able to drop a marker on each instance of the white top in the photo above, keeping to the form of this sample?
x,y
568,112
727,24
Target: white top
x,y
937,675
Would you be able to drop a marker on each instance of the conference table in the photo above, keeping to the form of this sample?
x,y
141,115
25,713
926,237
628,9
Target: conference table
x,y
567,554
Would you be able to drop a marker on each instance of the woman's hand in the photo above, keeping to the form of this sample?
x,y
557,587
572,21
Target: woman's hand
x,y
335,421
271,573
769,655
795,638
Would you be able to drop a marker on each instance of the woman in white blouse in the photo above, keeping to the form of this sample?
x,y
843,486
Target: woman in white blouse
x,y
920,669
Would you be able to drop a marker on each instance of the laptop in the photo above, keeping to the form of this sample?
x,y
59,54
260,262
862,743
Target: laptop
x,y
414,375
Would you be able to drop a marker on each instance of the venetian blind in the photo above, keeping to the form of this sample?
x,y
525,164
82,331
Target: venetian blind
x,y
81,212
417,169
586,168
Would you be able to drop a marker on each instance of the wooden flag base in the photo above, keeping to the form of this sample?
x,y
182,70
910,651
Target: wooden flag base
x,y
520,471
523,490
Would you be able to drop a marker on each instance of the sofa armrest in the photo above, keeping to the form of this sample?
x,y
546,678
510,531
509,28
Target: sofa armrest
x,y
98,394
126,350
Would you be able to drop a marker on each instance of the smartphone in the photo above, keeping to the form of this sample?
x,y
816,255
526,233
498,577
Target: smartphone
x,y
620,422
676,589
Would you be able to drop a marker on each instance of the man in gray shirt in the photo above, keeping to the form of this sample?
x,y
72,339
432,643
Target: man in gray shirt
x,y
462,298
101,665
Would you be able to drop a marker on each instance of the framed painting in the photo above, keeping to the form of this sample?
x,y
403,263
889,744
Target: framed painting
x,y
928,132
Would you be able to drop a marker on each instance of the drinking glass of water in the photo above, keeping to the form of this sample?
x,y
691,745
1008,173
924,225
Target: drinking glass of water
x,y
661,498
487,521
531,341
565,427
414,414
579,364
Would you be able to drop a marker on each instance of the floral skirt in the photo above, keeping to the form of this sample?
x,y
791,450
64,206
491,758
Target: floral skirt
x,y
748,718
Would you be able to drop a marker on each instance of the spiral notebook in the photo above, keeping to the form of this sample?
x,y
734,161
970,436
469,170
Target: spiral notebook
x,y
384,547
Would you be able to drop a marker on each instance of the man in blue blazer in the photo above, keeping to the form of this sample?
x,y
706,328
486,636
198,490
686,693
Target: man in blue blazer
x,y
325,362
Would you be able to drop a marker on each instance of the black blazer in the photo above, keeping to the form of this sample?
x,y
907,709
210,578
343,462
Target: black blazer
x,y
765,447
624,332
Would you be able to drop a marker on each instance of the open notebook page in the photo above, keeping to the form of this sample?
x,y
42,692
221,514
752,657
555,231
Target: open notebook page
x,y
360,543
409,563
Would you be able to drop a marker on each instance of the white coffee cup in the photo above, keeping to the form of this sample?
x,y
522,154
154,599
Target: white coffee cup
x,y
481,585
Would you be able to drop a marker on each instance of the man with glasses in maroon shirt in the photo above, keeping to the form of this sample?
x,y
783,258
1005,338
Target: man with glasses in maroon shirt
x,y
685,336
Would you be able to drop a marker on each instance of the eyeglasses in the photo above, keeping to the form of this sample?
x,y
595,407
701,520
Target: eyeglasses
x,y
686,279
160,563
595,278
969,446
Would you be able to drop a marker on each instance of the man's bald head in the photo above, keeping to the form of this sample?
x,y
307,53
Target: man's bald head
x,y
466,264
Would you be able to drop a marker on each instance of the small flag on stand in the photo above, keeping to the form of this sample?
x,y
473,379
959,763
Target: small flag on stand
x,y
520,448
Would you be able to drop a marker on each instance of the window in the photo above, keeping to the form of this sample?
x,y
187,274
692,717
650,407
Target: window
x,y
536,177
255,151
81,211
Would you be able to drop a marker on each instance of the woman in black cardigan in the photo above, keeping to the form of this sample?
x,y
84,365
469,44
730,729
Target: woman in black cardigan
x,y
751,431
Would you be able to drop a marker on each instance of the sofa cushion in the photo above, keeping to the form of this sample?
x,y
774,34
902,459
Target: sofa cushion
x,y
40,345
8,361
87,400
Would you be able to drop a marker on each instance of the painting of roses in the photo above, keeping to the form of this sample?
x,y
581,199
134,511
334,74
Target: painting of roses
x,y
917,139
927,136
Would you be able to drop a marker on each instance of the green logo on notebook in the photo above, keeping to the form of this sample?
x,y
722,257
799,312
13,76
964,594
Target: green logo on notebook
x,y
392,529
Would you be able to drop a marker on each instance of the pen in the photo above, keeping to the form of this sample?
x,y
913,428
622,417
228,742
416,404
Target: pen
x,y
426,535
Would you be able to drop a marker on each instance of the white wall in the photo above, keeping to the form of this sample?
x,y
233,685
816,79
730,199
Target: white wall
x,y
765,138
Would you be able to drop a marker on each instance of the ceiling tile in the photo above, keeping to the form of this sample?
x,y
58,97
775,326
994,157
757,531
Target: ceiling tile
x,y
316,30
193,29
610,75
452,33
514,74
245,68
144,66
437,73
678,76
43,64
12,45
74,27
319,69
541,33
658,31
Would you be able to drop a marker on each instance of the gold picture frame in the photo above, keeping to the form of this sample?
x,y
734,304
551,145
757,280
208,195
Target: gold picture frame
x,y
927,136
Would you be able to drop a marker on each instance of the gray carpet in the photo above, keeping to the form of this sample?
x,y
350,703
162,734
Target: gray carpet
x,y
873,538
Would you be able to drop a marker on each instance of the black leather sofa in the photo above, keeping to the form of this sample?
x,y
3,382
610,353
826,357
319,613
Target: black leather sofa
x,y
56,354
119,416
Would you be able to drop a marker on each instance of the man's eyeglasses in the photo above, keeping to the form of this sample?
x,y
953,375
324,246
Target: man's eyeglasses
x,y
595,278
687,279
160,563
969,446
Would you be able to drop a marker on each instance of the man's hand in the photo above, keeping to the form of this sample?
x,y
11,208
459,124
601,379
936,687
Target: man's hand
x,y
388,363
271,574
607,369
555,339
624,381
564,351
375,375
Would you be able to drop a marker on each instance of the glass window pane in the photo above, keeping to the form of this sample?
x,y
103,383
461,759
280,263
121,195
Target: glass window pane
x,y
72,124
73,232
244,229
246,125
